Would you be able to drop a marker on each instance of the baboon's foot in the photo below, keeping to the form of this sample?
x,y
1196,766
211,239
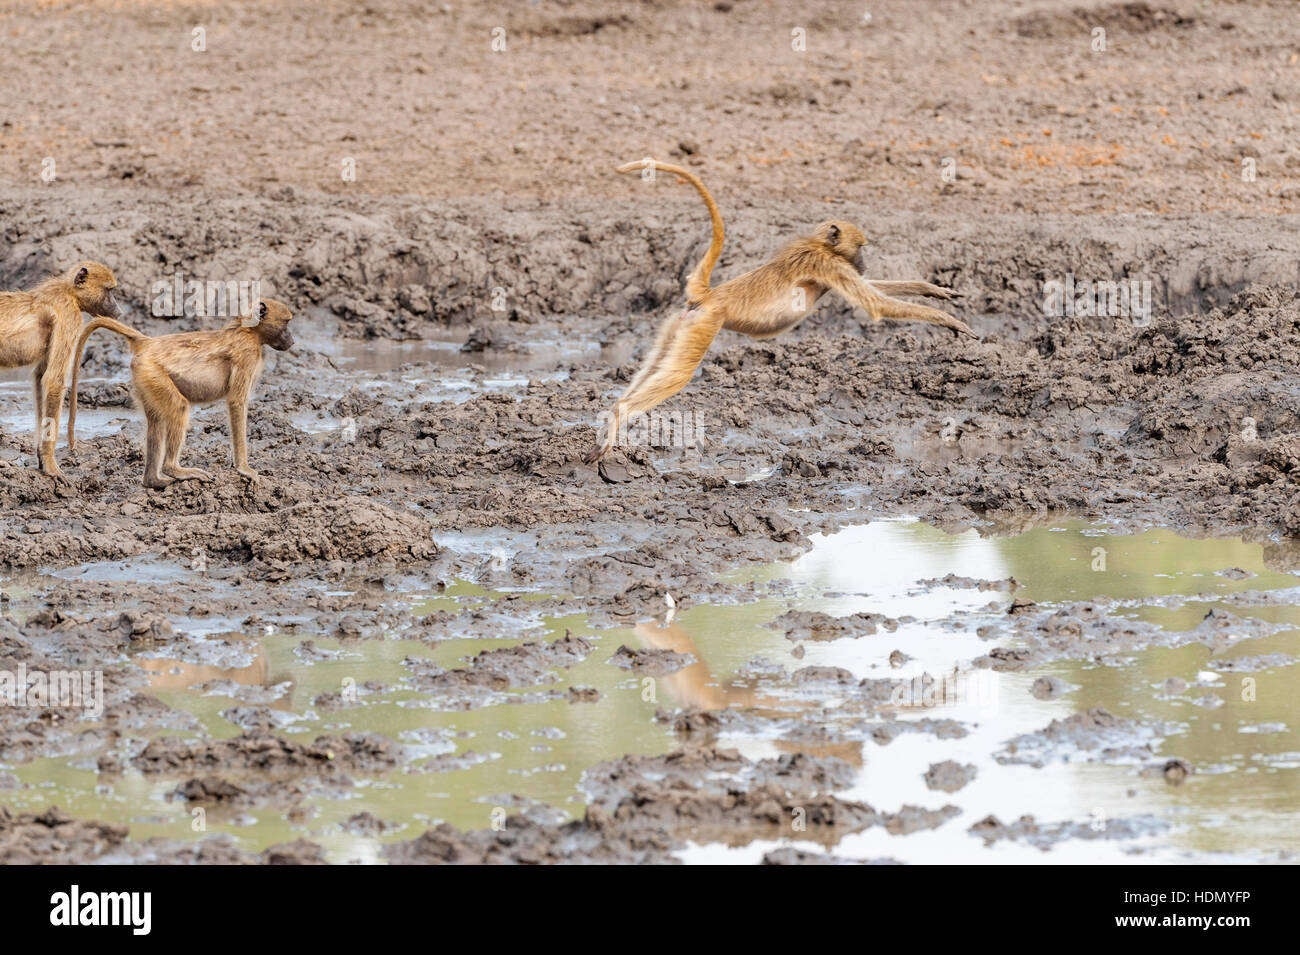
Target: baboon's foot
x,y
53,470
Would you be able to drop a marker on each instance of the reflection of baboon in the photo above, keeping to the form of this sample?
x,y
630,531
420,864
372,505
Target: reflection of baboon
x,y
698,688
695,684
39,327
771,299
173,371
178,675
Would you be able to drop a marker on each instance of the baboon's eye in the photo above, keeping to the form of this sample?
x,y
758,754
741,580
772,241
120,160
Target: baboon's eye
x,y
82,275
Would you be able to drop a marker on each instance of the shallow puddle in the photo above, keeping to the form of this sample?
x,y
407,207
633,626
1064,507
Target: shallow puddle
x,y
1243,797
1240,801
425,369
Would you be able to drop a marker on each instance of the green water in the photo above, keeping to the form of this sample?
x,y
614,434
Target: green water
x,y
1242,801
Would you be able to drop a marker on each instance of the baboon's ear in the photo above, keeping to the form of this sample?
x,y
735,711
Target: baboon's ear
x,y
82,275
259,313
833,235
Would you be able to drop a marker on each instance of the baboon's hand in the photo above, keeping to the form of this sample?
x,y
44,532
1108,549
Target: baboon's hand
x,y
959,327
939,317
252,476
594,455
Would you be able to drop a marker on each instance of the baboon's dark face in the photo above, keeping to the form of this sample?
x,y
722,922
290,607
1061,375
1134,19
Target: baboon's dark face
x,y
107,306
93,286
282,340
273,324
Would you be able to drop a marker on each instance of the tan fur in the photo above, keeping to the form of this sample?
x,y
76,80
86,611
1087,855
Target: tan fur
x,y
697,284
39,327
172,372
767,301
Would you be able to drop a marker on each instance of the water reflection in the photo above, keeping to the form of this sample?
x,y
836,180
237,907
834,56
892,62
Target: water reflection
x,y
1241,802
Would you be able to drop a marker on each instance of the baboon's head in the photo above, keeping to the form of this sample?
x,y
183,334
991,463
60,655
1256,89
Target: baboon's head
x,y
270,319
844,240
92,285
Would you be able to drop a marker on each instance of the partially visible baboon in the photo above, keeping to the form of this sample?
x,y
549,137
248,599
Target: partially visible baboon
x,y
771,299
39,327
172,372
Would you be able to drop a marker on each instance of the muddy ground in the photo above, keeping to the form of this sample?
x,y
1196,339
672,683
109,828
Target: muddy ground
x,y
484,211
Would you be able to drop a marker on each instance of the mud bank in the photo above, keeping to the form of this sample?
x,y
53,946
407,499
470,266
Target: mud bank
x,y
1012,99
408,268
1180,423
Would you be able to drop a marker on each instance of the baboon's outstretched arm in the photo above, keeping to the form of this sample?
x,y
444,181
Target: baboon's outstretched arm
x,y
912,288
860,293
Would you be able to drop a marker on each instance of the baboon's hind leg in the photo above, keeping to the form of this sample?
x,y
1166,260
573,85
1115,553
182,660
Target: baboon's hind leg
x,y
175,442
155,447
668,368
37,374
164,407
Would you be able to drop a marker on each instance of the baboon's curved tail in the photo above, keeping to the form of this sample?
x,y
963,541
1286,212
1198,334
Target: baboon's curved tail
x,y
125,331
697,285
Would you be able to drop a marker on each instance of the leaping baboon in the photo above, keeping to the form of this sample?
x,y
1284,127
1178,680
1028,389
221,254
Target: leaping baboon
x,y
767,301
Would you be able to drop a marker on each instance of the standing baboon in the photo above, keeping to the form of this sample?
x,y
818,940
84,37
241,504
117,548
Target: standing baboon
x,y
39,327
171,372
